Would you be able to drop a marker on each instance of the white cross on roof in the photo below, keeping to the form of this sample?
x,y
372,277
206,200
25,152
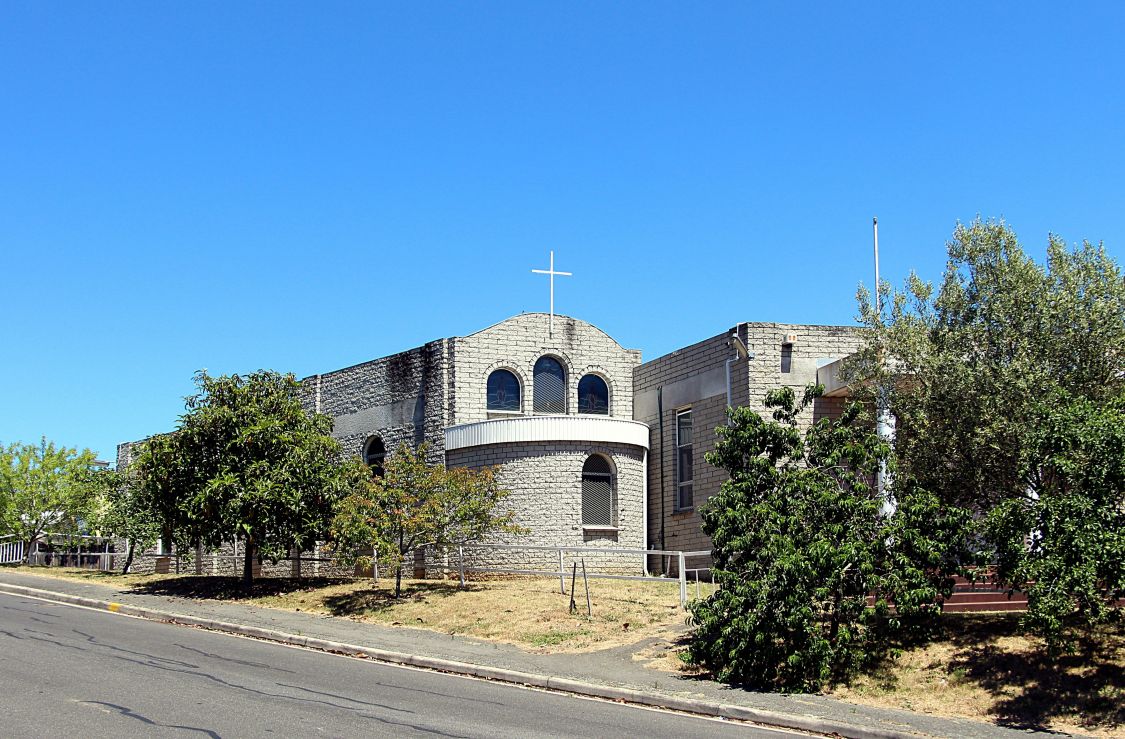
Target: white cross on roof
x,y
552,273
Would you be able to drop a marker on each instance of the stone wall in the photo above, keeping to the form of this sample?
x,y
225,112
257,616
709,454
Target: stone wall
x,y
545,481
517,343
695,378
402,398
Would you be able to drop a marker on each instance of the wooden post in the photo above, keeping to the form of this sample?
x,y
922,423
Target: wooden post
x,y
589,606
562,574
461,563
573,577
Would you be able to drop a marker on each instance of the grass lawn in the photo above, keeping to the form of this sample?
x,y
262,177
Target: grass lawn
x,y
981,667
530,613
978,666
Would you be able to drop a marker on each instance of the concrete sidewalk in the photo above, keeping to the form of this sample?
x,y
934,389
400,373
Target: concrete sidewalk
x,y
610,673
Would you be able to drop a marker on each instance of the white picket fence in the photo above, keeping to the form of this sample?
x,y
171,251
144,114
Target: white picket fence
x,y
11,552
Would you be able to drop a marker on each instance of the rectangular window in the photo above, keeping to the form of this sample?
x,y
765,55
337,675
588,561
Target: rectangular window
x,y
786,358
684,461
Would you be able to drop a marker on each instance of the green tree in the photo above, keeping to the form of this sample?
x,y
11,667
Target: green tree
x,y
163,479
123,511
798,546
46,489
972,370
247,462
414,504
1065,543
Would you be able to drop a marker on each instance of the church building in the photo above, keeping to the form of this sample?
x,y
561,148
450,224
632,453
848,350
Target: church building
x,y
598,449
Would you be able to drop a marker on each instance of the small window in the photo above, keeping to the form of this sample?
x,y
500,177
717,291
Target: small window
x,y
593,395
599,504
550,386
374,455
503,391
786,358
685,462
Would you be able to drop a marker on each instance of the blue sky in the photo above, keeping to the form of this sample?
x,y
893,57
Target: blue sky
x,y
306,186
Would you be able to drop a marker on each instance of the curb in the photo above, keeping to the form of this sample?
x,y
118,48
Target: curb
x,y
577,687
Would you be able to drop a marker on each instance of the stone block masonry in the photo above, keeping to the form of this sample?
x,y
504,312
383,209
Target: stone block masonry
x,y
695,379
545,482
402,398
517,343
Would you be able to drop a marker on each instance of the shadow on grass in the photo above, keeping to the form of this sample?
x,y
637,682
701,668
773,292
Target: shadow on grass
x,y
1029,686
230,588
1032,687
359,600
370,600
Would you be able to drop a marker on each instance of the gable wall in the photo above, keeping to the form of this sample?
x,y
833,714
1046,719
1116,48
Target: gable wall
x,y
517,343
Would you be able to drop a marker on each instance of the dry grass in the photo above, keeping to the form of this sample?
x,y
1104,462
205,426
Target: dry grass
x,y
528,612
979,666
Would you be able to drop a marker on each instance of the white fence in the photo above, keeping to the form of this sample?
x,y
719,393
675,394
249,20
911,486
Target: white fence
x,y
11,552
86,552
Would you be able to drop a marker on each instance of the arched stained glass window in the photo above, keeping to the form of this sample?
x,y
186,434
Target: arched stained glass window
x,y
593,395
374,455
503,391
599,504
550,386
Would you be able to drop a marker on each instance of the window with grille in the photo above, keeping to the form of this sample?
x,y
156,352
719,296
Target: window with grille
x,y
599,503
374,455
684,461
503,391
593,395
550,386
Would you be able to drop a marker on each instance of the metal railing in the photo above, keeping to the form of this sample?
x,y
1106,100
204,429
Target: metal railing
x,y
606,563
580,553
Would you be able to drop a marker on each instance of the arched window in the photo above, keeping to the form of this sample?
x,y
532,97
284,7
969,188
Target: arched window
x,y
593,395
599,503
374,454
550,386
503,391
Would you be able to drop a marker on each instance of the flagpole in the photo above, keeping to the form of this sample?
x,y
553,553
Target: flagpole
x,y
878,302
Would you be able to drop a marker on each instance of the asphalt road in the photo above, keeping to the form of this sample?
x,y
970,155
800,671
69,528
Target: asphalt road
x,y
74,671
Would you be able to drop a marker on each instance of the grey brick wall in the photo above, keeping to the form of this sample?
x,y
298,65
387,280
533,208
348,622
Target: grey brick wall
x,y
545,480
695,377
517,343
402,398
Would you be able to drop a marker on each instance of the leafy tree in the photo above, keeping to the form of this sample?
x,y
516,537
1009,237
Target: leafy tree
x,y
798,545
46,489
125,512
1065,543
414,504
162,481
973,371
247,461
